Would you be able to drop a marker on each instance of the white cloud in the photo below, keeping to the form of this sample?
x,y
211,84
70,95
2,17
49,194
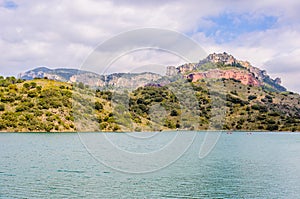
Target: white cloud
x,y
62,33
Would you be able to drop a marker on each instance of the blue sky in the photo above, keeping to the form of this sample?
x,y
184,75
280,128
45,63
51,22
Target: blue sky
x,y
10,5
62,33
228,26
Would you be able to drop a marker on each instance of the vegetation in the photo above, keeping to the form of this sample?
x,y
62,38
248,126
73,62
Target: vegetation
x,y
43,105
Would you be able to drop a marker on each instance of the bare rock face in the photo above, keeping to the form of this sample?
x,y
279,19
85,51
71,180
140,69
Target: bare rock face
x,y
245,77
171,71
186,68
223,58
127,80
90,79
131,80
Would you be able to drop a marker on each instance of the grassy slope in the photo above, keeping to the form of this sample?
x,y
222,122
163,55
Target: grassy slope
x,y
45,105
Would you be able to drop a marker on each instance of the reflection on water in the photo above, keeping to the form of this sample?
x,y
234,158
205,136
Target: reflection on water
x,y
261,165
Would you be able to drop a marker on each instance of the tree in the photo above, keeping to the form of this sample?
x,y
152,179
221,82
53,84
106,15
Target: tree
x,y
81,85
252,97
26,85
174,113
32,84
2,107
98,106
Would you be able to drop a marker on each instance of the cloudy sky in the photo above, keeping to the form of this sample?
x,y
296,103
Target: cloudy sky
x,y
63,33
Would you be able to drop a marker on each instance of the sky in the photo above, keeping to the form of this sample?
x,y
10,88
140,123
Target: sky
x,y
64,33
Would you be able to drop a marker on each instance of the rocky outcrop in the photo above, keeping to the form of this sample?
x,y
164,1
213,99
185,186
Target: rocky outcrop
x,y
245,77
131,80
221,62
171,71
186,68
126,80
223,58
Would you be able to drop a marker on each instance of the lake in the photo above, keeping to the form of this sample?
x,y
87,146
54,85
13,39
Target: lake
x,y
149,165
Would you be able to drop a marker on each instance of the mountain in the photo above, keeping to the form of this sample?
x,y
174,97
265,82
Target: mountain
x,y
216,65
224,65
217,93
127,80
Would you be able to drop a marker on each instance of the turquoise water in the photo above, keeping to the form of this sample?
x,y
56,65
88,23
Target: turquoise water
x,y
261,165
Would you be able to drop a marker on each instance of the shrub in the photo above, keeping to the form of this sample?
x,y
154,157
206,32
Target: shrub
x,y
235,100
174,113
138,129
33,85
177,124
2,107
137,120
260,108
10,99
252,97
158,99
13,87
48,127
103,125
81,85
32,94
39,88
271,127
26,85
271,121
274,114
98,106
143,108
21,108
116,127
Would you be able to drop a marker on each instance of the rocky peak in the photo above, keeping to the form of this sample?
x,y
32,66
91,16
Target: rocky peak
x,y
224,65
223,58
186,68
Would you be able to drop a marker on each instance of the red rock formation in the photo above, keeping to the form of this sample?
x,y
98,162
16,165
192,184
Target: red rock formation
x,y
245,77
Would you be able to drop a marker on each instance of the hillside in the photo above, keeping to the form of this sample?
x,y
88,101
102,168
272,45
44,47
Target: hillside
x,y
43,105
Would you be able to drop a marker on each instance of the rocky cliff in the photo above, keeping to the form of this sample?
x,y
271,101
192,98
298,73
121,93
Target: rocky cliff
x,y
224,65
127,80
243,76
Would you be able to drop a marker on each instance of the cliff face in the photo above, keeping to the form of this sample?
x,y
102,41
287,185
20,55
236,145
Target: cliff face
x,y
127,80
131,80
243,76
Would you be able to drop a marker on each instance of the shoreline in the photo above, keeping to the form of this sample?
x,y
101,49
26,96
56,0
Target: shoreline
x,y
166,131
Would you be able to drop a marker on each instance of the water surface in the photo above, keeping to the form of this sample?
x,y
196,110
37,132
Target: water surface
x,y
261,165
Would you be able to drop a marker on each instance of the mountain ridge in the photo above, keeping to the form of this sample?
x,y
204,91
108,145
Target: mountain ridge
x,y
215,65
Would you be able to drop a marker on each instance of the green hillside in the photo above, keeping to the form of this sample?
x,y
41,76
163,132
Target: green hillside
x,y
43,105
